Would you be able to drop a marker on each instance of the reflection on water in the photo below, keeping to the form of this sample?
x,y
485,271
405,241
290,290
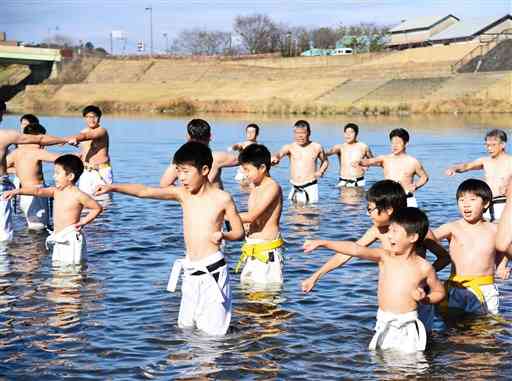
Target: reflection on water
x,y
114,319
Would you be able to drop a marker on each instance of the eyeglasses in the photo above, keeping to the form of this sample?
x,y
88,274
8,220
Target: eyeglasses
x,y
370,210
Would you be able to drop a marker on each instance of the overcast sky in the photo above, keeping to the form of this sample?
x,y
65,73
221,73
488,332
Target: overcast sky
x,y
93,20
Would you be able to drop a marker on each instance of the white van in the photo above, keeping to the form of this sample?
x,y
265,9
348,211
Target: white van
x,y
343,51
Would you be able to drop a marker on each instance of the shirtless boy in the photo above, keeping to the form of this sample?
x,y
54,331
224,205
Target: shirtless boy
x,y
25,120
262,251
385,198
68,240
349,152
304,173
497,168
199,131
206,295
251,135
27,160
471,287
400,166
8,137
402,274
93,152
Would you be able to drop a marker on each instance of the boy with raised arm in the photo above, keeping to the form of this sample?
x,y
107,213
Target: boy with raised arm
x,y
94,151
402,274
27,160
471,287
199,130
206,294
304,155
262,251
251,135
68,240
497,169
352,151
400,166
385,198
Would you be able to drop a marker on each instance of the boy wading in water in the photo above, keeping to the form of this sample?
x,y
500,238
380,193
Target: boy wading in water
x,y
399,166
402,274
251,135
497,168
205,292
94,152
262,251
69,246
303,154
352,151
471,287
27,160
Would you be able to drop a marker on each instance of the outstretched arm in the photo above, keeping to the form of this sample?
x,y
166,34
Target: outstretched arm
x,y
464,167
284,151
141,191
169,177
94,210
29,191
42,140
337,260
97,133
374,161
336,150
347,247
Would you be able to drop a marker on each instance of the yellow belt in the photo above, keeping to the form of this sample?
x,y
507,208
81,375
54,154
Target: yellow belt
x,y
95,167
471,282
258,251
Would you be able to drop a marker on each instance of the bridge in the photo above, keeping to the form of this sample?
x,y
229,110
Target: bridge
x,y
39,59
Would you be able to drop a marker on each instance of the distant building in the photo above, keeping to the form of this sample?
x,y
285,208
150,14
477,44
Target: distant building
x,y
477,29
417,32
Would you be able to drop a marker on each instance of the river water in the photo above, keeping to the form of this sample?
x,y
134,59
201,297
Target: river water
x,y
114,319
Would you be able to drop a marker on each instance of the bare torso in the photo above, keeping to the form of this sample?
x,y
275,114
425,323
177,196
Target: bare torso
x,y
401,168
399,276
95,151
350,153
303,162
472,247
497,173
66,207
266,226
27,160
203,215
7,137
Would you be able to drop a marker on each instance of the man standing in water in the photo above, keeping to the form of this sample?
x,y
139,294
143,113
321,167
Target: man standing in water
x,y
304,173
199,131
399,166
251,135
8,137
497,168
349,152
94,152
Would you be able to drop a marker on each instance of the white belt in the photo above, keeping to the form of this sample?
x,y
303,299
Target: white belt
x,y
61,237
399,321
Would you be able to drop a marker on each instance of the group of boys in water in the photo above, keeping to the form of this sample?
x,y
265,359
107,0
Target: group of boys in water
x,y
408,287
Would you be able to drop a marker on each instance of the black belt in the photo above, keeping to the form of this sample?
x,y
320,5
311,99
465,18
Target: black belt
x,y
351,181
211,268
301,188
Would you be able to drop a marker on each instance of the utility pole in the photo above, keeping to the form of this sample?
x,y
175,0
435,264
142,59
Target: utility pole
x,y
150,9
166,43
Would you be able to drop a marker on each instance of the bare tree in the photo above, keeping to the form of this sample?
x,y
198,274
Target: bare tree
x,y
201,41
258,33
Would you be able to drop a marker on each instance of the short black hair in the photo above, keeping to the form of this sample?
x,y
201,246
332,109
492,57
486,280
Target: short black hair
x,y
353,126
34,129
3,106
71,164
303,124
199,129
255,154
30,118
413,220
91,108
255,126
401,133
476,187
497,133
387,194
195,154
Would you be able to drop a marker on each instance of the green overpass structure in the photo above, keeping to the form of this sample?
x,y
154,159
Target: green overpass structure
x,y
42,62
